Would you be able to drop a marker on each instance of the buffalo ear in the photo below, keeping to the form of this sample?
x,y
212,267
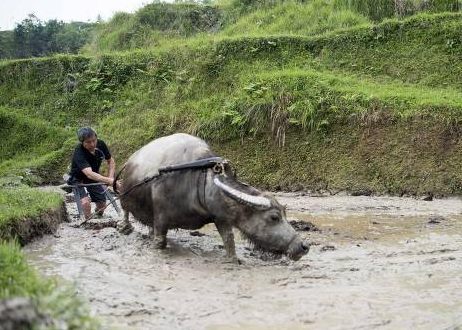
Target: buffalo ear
x,y
242,197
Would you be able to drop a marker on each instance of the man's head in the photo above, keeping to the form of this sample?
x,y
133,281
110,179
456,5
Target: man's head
x,y
87,136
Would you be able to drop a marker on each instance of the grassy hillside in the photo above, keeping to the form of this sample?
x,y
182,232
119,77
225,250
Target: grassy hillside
x,y
377,10
274,89
154,24
159,24
32,150
294,17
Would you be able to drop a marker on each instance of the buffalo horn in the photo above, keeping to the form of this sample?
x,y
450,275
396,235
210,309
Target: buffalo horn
x,y
258,201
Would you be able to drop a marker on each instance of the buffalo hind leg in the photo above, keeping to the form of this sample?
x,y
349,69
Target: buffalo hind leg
x,y
227,235
124,226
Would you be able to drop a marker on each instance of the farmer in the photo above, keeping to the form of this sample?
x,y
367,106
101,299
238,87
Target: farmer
x,y
86,161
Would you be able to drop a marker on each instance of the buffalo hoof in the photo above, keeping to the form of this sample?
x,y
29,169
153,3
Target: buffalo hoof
x,y
125,228
161,245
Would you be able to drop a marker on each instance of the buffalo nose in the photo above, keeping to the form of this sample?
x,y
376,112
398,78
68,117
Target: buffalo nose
x,y
305,247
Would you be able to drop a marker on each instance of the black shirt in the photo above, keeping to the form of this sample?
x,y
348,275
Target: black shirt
x,y
82,158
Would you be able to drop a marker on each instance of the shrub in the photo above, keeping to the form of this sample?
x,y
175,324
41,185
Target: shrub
x,y
377,10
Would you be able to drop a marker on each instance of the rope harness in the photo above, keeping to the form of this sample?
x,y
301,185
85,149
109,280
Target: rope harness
x,y
217,163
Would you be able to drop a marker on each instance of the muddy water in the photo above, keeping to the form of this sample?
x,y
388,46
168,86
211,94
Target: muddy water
x,y
385,263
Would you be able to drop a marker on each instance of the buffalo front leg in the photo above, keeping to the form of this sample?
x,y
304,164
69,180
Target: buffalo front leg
x,y
160,233
227,235
124,226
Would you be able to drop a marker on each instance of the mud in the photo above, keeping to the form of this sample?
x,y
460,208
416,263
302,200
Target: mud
x,y
375,263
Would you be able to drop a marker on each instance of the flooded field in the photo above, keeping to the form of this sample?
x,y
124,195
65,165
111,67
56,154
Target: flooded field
x,y
374,263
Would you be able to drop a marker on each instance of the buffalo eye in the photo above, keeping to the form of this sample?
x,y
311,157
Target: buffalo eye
x,y
274,217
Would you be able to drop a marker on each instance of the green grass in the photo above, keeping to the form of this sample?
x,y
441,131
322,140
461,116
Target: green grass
x,y
42,214
12,203
157,24
377,10
24,213
154,24
404,99
16,277
22,135
31,149
307,100
293,17
424,49
421,50
60,304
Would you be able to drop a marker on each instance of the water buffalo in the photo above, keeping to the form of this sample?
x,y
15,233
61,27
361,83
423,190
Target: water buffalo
x,y
191,198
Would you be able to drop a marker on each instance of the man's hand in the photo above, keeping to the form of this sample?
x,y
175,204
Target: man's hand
x,y
119,185
104,179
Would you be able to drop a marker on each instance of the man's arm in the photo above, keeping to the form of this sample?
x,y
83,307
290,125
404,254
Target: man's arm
x,y
97,177
111,166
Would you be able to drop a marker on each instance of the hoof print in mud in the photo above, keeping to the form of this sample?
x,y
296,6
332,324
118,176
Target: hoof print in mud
x,y
98,225
125,229
196,233
235,261
328,248
303,225
436,219
362,192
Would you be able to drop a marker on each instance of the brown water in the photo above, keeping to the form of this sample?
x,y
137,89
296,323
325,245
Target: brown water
x,y
376,262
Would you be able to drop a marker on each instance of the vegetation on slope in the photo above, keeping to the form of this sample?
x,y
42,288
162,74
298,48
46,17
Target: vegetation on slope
x,y
32,151
257,87
154,24
43,213
157,24
377,10
294,17
24,214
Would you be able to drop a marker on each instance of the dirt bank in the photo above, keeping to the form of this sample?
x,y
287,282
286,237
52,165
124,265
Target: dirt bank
x,y
388,263
30,227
